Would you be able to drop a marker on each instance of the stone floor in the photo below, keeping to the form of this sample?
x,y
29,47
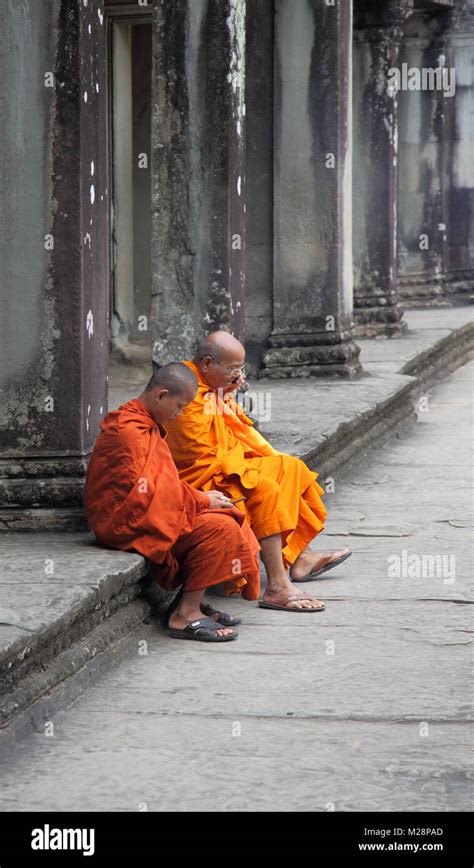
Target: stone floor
x,y
364,706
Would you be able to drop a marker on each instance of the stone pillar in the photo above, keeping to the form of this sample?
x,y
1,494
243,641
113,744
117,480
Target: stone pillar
x,y
423,161
198,235
377,41
53,253
259,174
312,289
461,160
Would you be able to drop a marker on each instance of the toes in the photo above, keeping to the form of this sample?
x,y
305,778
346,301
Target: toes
x,y
312,604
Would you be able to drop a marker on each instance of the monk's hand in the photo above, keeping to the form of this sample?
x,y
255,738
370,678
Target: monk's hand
x,y
238,383
218,500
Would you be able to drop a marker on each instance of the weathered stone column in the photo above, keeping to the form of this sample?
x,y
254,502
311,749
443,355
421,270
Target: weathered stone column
x,y
198,235
259,174
460,278
423,158
53,253
377,39
312,290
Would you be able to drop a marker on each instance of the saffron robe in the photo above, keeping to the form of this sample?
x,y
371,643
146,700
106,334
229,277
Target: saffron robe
x,y
216,446
135,501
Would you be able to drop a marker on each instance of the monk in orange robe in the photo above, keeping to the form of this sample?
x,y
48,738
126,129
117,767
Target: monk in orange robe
x,y
215,445
135,501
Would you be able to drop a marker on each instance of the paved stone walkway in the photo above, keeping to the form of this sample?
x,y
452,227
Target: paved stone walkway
x,y
362,707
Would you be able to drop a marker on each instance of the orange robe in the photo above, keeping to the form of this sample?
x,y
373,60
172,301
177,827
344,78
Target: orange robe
x,y
216,446
135,501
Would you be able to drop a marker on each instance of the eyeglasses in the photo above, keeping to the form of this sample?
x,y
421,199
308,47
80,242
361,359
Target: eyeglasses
x,y
234,372
231,371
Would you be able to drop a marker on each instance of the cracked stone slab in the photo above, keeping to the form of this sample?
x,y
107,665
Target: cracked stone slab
x,y
377,673
157,761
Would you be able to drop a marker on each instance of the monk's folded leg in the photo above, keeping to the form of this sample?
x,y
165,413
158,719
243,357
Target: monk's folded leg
x,y
309,517
266,508
218,549
311,521
286,500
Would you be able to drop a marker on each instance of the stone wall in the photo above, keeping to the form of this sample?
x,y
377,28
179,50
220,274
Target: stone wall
x,y
54,242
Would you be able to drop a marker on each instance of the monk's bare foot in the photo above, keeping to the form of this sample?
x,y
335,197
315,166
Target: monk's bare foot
x,y
180,621
279,594
310,562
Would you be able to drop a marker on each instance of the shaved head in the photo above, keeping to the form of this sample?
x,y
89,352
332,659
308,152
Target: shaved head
x,y
177,378
169,391
216,345
220,358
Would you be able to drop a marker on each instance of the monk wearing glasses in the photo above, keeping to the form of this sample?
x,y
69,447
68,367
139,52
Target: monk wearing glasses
x,y
216,446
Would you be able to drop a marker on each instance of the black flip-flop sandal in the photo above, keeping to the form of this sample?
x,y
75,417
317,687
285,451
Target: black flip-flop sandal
x,y
202,630
292,598
224,619
311,576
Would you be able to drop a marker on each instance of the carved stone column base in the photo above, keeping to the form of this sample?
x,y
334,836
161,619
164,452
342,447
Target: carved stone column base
x,y
70,519
460,283
379,320
312,355
423,291
374,329
42,494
